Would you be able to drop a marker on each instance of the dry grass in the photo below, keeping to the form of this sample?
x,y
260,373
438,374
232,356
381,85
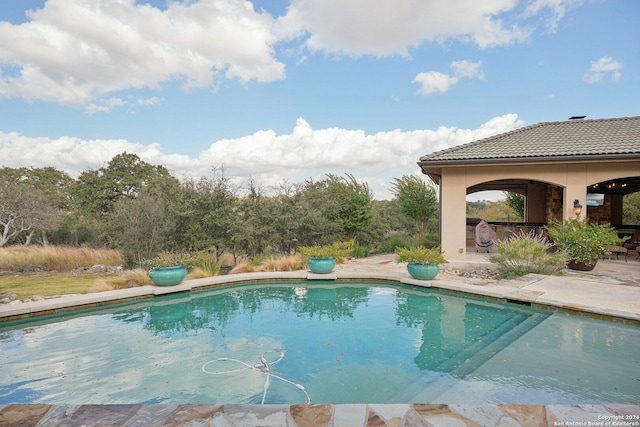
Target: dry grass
x,y
289,263
128,279
243,268
58,258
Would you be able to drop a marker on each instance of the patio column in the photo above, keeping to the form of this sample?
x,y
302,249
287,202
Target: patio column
x,y
453,214
576,189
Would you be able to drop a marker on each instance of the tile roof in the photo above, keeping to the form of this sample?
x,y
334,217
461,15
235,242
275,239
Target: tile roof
x,y
571,139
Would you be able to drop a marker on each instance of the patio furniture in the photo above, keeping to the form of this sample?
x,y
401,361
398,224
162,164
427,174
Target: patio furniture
x,y
485,237
617,251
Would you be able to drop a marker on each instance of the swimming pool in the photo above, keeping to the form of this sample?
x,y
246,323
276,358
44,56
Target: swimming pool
x,y
331,342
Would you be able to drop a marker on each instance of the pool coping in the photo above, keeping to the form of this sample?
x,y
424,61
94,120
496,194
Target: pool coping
x,y
397,415
576,295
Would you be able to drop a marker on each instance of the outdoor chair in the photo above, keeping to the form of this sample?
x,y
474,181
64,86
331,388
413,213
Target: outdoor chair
x,y
617,251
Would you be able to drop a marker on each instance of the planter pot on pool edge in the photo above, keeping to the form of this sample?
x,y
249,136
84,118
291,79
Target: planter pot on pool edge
x,y
321,265
168,276
423,271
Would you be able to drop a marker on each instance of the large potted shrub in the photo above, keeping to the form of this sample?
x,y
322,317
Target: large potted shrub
x,y
582,242
321,259
423,262
169,269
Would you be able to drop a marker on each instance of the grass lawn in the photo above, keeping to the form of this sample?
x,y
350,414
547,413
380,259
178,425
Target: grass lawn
x,y
48,284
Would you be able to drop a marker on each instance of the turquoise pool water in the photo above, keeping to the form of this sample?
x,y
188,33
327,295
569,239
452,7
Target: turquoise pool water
x,y
334,342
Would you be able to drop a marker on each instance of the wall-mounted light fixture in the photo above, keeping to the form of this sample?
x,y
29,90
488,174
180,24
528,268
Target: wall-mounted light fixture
x,y
577,208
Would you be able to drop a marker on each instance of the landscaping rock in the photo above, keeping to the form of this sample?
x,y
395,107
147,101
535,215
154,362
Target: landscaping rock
x,y
8,298
98,268
31,268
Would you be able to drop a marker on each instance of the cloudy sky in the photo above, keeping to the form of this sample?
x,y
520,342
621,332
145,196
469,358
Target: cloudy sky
x,y
284,90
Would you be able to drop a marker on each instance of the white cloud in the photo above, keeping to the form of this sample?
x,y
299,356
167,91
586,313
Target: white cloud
x,y
76,51
558,9
385,28
437,82
434,82
265,156
468,69
602,68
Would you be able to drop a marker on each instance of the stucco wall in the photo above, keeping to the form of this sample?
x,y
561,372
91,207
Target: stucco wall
x,y
571,178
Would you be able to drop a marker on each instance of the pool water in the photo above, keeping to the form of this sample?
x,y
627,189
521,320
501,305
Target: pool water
x,y
336,342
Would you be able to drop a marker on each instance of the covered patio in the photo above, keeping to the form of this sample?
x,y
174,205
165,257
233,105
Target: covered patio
x,y
555,165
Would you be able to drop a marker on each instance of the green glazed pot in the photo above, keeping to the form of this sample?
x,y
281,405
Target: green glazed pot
x,y
423,271
321,265
168,276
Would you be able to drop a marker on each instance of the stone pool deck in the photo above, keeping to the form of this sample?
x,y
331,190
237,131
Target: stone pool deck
x,y
416,415
611,291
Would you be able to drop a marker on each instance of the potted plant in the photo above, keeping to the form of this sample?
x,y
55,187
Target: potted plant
x,y
423,263
582,242
322,259
169,269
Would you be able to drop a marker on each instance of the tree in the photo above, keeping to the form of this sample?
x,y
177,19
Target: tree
x,y
23,211
352,203
516,202
139,227
205,213
416,199
631,208
253,231
96,191
53,189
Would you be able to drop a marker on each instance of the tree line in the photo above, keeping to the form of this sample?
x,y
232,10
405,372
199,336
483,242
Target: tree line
x,y
142,209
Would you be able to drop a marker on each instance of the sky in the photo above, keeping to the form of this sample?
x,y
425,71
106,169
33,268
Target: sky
x,y
280,91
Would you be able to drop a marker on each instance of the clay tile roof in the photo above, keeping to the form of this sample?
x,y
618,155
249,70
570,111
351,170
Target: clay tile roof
x,y
553,141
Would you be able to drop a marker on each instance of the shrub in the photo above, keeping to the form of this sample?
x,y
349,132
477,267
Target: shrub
x,y
359,251
128,279
420,255
336,250
242,268
525,253
208,266
289,263
581,241
393,242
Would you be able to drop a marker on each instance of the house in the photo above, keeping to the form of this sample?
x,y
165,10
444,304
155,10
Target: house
x,y
555,165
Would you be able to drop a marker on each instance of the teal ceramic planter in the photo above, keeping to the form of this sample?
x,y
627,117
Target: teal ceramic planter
x,y
168,276
321,265
423,271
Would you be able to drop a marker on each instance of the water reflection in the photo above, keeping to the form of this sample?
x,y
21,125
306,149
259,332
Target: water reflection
x,y
453,332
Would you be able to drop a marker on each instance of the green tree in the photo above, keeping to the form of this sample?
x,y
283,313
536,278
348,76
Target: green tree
x,y
140,227
631,208
205,213
97,191
253,231
351,201
516,202
416,199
